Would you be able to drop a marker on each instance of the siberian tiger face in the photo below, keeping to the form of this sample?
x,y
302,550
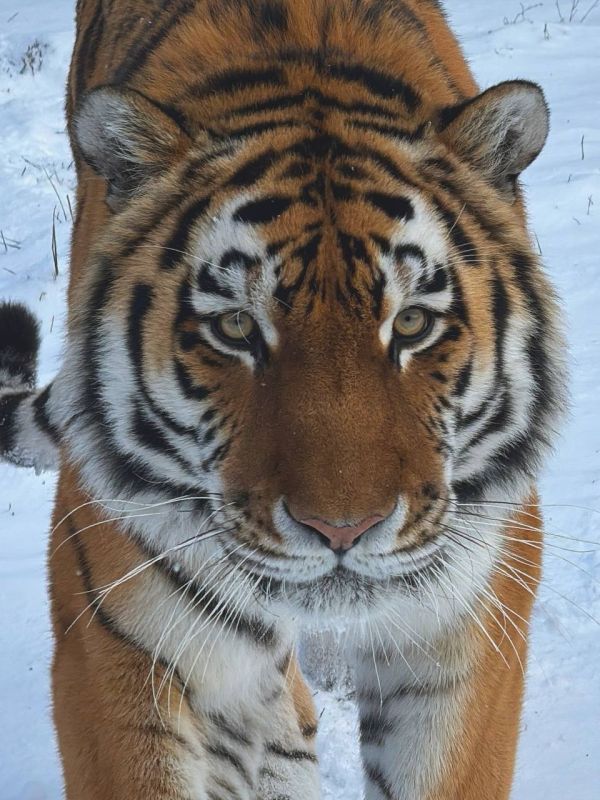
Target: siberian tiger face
x,y
320,337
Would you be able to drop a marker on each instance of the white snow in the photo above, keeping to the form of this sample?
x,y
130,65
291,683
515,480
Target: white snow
x,y
559,757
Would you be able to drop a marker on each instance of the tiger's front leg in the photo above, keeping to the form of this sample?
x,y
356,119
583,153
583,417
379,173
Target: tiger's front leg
x,y
290,770
441,721
141,717
127,736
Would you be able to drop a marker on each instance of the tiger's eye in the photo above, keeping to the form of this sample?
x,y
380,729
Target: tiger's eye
x,y
237,327
413,324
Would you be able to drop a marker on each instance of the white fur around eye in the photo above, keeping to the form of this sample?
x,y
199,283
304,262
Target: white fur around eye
x,y
426,232
250,291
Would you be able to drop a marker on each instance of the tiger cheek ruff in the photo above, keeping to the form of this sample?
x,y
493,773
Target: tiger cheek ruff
x,y
313,367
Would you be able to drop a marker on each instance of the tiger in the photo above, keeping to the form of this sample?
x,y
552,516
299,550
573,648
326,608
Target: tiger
x,y
312,371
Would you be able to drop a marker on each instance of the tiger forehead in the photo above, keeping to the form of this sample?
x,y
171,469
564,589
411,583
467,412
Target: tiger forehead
x,y
322,240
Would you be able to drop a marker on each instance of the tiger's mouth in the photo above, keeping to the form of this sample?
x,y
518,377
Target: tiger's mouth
x,y
340,584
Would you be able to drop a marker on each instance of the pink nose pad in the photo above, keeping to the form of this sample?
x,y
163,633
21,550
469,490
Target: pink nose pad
x,y
342,536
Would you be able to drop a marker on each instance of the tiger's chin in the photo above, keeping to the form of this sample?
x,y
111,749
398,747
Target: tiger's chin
x,y
345,595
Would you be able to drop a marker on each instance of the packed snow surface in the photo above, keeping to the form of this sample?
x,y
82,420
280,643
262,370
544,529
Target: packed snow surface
x,y
556,44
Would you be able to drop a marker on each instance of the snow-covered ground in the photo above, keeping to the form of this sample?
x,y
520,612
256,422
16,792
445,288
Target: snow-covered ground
x,y
555,44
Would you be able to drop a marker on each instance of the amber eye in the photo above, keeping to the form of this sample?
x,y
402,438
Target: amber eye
x,y
238,329
413,324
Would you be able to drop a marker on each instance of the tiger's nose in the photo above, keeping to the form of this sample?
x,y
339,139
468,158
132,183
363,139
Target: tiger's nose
x,y
341,537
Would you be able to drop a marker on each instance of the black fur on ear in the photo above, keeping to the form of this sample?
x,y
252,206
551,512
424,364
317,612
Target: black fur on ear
x,y
500,132
127,138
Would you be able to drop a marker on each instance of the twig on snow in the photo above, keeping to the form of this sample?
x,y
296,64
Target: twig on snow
x,y
54,247
589,11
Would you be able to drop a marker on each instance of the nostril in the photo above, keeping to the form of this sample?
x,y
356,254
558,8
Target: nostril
x,y
341,537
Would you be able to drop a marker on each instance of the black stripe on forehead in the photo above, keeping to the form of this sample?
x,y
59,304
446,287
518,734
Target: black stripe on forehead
x,y
266,209
316,97
437,282
393,206
237,80
176,246
377,83
208,284
142,49
306,254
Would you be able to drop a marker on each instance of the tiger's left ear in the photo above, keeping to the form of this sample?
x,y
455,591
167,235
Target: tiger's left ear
x,y
127,139
500,132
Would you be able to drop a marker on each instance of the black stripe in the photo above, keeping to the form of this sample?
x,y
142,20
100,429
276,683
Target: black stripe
x,y
99,612
148,434
41,415
265,210
252,171
374,728
272,15
291,755
378,83
393,206
378,294
226,790
225,726
260,127
207,283
87,51
498,423
406,251
402,134
175,250
217,456
279,103
126,472
190,389
464,379
376,776
440,164
437,283
141,303
237,258
521,454
306,253
232,758
138,53
238,80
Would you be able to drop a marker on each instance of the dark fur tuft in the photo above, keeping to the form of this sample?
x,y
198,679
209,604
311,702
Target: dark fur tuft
x,y
19,345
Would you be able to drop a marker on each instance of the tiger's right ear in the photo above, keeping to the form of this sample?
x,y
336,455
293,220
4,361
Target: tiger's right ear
x,y
127,139
500,132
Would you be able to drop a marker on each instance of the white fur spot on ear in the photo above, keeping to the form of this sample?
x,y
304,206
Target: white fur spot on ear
x,y
126,138
501,131
103,127
519,126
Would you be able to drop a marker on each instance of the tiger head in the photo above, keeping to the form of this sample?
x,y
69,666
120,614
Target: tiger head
x,y
324,338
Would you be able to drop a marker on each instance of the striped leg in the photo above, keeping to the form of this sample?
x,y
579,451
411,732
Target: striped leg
x,y
444,726
290,770
407,726
441,721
